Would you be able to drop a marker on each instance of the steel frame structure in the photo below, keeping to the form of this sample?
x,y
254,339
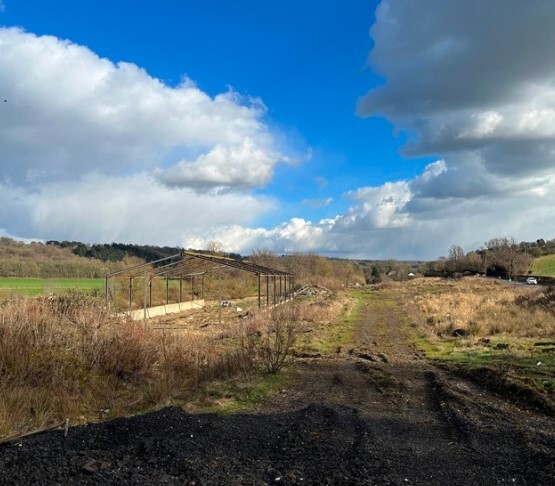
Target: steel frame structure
x,y
188,265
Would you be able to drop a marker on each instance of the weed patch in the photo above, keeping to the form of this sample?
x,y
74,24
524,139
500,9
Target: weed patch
x,y
500,335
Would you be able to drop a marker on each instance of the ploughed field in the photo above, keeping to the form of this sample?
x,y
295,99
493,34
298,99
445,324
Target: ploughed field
x,y
391,402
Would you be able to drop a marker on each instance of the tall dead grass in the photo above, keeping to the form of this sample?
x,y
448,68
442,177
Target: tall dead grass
x,y
67,356
486,308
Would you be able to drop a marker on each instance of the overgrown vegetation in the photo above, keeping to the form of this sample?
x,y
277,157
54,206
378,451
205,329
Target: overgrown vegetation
x,y
67,356
272,343
491,331
311,269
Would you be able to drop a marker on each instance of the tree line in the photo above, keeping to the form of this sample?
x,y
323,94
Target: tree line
x,y
55,259
117,252
35,259
502,256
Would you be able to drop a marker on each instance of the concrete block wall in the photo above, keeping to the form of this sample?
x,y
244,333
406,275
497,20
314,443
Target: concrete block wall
x,y
163,310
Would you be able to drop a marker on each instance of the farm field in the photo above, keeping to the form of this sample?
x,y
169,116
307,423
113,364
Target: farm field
x,y
544,266
38,286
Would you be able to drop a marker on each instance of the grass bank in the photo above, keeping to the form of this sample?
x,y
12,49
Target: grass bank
x,y
544,266
500,335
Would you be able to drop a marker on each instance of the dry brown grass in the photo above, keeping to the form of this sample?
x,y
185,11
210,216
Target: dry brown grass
x,y
69,357
483,308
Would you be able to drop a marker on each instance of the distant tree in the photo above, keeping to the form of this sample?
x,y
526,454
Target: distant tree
x,y
264,257
474,262
214,246
375,275
456,259
505,254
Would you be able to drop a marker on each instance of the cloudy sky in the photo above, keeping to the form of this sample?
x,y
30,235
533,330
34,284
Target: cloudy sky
x,y
389,129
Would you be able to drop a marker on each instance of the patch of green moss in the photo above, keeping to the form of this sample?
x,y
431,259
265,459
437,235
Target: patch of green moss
x,y
237,395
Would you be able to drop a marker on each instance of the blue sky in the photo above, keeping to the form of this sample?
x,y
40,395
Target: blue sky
x,y
361,129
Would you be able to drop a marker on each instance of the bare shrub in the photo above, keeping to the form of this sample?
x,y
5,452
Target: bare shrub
x,y
68,356
272,338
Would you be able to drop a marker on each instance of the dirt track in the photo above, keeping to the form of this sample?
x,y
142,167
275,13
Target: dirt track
x,y
374,414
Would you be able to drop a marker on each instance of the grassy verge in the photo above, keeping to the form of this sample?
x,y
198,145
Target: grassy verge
x,y
324,324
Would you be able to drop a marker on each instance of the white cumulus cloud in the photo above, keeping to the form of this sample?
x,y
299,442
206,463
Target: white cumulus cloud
x,y
95,150
70,112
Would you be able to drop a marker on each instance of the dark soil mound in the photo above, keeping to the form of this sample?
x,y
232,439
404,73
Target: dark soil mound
x,y
316,445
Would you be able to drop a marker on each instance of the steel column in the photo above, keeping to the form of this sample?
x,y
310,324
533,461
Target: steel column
x,y
259,293
144,297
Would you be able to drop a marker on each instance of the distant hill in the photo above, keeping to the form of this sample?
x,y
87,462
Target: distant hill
x,y
38,260
544,266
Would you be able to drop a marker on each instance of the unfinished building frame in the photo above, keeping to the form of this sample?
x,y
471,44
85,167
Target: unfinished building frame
x,y
193,267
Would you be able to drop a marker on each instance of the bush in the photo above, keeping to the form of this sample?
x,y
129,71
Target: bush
x,y
273,343
68,356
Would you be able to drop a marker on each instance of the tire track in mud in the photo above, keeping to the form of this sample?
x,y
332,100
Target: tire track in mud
x,y
377,414
427,424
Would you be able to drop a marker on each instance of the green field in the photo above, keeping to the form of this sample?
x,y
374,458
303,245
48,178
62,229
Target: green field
x,y
544,266
37,286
